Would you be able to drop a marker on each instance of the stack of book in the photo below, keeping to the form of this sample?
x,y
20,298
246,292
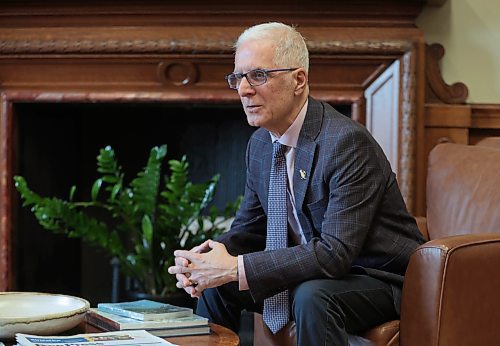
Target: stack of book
x,y
160,319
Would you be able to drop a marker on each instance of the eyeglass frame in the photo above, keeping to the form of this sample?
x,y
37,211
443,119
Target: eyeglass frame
x,y
266,72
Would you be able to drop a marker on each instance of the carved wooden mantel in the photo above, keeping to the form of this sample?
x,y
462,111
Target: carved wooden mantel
x,y
153,52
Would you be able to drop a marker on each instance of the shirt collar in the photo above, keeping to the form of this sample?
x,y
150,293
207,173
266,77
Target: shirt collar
x,y
291,135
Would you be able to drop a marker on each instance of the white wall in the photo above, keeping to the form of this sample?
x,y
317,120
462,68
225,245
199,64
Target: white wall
x,y
469,30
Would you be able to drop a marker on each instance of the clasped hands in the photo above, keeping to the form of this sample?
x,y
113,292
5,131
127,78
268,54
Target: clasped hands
x,y
204,266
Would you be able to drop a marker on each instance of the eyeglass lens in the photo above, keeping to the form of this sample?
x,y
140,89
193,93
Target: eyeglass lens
x,y
254,78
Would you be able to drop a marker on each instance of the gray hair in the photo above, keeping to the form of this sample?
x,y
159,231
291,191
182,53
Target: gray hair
x,y
291,49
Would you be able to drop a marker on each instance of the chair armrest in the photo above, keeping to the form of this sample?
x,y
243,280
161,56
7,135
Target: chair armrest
x,y
450,292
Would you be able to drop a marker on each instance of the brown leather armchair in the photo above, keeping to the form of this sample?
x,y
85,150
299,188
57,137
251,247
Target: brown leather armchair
x,y
451,293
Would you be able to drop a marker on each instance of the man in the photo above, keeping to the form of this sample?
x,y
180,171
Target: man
x,y
348,233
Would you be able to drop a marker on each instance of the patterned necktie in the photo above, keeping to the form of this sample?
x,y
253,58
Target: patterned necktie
x,y
276,308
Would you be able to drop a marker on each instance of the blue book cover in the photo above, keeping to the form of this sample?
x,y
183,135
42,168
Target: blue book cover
x,y
145,310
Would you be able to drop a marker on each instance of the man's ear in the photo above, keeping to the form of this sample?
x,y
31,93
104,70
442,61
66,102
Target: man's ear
x,y
301,80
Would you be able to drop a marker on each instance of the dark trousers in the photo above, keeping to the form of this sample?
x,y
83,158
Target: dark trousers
x,y
325,311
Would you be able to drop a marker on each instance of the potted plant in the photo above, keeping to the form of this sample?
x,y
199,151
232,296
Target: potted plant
x,y
140,223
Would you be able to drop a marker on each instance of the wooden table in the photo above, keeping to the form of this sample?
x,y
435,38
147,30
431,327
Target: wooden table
x,y
219,336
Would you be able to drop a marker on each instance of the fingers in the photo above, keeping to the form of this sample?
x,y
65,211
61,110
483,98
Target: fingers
x,y
190,287
187,261
188,255
182,281
203,247
194,292
178,270
197,295
180,261
184,257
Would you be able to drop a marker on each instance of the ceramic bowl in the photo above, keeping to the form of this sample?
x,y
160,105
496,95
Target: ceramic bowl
x,y
39,313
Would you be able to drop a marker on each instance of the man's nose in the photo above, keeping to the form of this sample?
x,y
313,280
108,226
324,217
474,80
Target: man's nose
x,y
245,88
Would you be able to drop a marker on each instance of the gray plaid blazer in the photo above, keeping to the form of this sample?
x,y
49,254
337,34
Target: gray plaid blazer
x,y
349,206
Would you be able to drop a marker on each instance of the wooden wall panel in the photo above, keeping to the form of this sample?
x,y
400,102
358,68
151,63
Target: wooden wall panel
x,y
382,112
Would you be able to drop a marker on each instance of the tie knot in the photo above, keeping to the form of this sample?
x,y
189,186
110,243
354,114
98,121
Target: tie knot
x,y
279,149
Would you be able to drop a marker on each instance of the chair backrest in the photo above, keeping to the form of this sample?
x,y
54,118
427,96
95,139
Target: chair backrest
x,y
463,190
492,142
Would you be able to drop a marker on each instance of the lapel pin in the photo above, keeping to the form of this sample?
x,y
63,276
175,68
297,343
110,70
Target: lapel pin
x,y
303,174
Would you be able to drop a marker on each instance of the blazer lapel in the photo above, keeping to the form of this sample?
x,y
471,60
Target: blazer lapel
x,y
304,157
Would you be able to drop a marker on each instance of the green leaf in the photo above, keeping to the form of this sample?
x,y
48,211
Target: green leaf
x,y
116,189
109,179
30,198
72,192
147,231
95,189
146,185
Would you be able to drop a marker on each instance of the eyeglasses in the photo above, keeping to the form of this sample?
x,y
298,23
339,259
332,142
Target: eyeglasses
x,y
254,77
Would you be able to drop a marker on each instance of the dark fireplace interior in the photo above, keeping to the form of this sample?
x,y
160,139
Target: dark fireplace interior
x,y
57,145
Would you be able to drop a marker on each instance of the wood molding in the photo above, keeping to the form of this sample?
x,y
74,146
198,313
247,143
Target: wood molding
x,y
485,116
437,88
6,252
408,127
161,40
361,47
128,40
443,115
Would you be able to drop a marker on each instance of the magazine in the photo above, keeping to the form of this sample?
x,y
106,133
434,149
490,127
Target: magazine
x,y
122,338
190,325
145,310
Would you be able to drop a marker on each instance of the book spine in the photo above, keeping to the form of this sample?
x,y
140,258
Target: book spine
x,y
98,322
179,332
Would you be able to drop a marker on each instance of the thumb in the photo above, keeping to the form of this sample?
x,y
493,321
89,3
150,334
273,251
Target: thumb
x,y
203,247
213,244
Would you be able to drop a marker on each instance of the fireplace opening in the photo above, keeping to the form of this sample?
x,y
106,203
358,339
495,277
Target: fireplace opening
x,y
57,145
